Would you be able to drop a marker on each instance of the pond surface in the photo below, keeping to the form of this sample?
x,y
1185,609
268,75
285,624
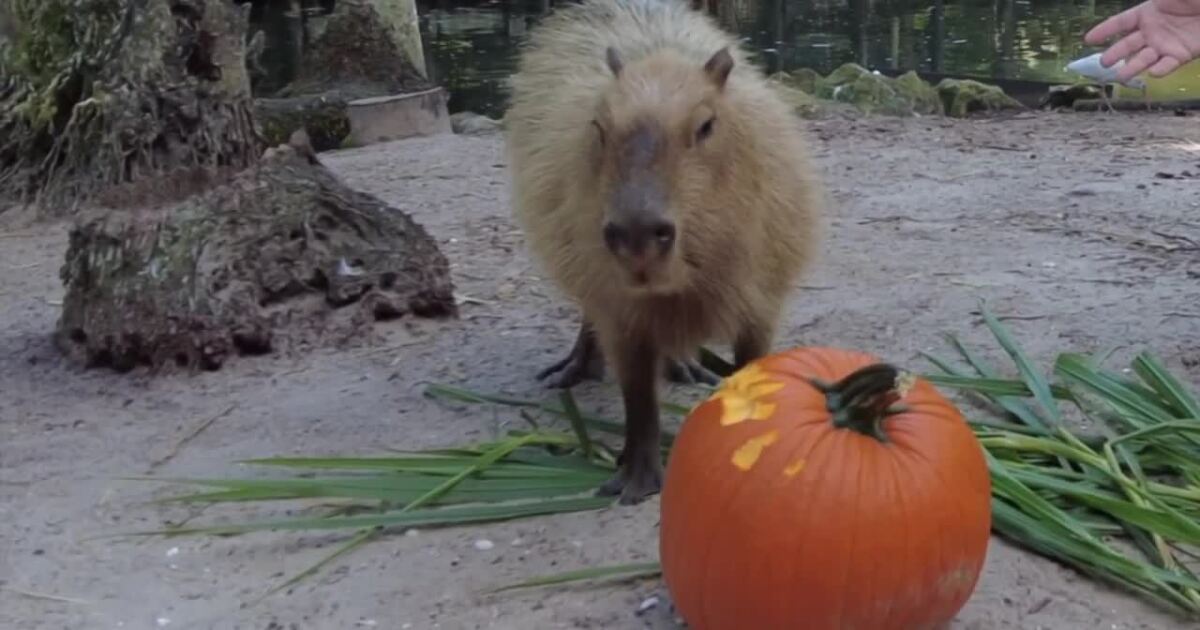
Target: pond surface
x,y
470,47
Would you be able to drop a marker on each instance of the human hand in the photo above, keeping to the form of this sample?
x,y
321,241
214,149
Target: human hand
x,y
1158,34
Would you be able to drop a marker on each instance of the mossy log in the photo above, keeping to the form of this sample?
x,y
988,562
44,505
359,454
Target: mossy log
x,y
283,254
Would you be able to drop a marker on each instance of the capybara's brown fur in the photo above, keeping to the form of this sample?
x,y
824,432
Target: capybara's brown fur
x,y
644,112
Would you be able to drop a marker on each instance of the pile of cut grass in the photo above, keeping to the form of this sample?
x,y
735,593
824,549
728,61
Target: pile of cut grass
x,y
1121,503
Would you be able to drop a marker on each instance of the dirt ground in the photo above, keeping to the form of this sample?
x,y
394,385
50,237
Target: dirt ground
x,y
1086,227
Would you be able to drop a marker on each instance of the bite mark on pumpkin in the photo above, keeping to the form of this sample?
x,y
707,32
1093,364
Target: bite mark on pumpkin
x,y
794,468
747,454
741,395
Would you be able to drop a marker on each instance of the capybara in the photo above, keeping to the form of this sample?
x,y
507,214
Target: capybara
x,y
667,189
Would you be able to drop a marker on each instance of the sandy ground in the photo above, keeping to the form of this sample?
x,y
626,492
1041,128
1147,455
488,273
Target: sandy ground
x,y
1082,225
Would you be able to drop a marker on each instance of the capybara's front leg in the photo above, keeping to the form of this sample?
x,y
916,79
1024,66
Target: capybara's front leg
x,y
637,363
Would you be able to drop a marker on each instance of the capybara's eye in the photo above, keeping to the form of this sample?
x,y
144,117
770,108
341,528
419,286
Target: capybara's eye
x,y
599,130
705,130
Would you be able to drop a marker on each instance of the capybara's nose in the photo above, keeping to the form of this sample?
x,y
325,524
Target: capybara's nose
x,y
635,237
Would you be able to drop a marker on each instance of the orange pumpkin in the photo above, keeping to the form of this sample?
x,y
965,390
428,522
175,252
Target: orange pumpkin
x,y
820,489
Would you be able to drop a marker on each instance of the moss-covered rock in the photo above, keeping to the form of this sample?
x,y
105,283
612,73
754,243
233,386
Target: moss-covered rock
x,y
805,79
282,256
867,92
870,92
962,97
803,103
922,97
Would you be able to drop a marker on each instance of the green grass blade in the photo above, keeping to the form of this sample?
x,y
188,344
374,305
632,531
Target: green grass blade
x,y
394,488
1153,520
357,541
485,460
989,386
996,391
1045,528
1029,532
429,517
623,572
428,465
1032,377
1159,378
600,424
1123,396
576,420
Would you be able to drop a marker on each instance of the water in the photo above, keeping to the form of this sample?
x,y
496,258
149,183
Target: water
x,y
470,46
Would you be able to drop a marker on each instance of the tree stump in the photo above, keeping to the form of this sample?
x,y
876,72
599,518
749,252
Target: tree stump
x,y
355,52
101,93
283,254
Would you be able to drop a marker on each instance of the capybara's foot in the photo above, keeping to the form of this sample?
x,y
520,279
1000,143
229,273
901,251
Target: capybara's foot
x,y
638,478
690,372
584,362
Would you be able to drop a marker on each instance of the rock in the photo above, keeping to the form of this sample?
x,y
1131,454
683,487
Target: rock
x,y
961,97
280,257
472,124
647,604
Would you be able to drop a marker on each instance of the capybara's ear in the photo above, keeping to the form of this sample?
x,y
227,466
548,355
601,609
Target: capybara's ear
x,y
614,61
718,67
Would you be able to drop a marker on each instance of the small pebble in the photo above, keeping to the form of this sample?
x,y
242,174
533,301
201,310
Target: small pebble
x,y
517,542
172,552
162,622
411,532
647,604
484,544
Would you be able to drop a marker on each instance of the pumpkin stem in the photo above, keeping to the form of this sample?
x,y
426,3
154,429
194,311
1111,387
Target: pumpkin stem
x,y
863,399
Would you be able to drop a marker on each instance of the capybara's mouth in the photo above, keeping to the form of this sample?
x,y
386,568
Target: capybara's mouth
x,y
648,281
